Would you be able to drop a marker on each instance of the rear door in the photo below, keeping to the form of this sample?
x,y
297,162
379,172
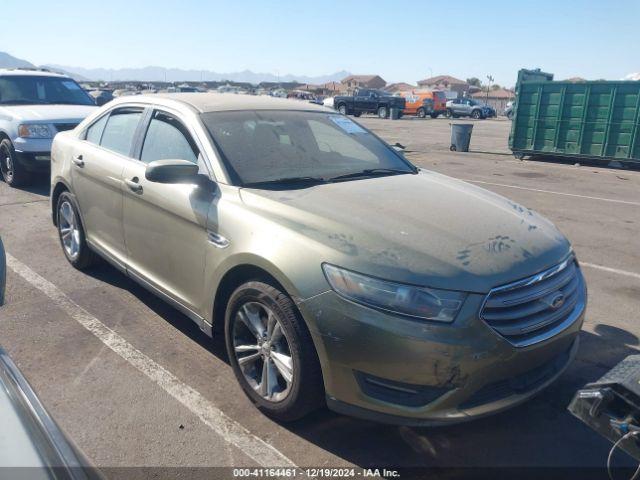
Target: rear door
x,y
362,100
165,224
96,178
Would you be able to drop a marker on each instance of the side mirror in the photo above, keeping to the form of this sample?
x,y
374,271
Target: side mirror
x,y
398,147
172,171
100,101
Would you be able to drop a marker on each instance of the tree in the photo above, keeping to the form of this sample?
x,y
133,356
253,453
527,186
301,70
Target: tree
x,y
495,86
473,81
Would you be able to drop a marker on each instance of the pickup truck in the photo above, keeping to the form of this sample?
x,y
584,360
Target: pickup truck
x,y
368,101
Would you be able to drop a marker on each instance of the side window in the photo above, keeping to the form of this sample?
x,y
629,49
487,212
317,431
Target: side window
x,y
120,129
167,138
94,132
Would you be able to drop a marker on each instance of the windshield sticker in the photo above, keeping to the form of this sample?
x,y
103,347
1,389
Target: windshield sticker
x,y
71,85
346,124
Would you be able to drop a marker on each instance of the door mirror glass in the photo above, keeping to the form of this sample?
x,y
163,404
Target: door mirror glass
x,y
172,171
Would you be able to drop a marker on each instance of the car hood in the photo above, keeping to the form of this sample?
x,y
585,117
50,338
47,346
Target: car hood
x,y
425,229
49,113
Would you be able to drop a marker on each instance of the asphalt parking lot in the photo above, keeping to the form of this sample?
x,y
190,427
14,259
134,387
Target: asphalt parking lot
x,y
135,383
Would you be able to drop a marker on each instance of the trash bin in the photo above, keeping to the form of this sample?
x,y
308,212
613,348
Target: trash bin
x,y
460,136
394,113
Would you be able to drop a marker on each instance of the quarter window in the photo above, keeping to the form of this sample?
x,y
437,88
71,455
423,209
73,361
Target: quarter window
x,y
94,132
120,129
167,138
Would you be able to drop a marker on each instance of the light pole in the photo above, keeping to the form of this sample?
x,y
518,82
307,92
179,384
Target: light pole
x,y
490,78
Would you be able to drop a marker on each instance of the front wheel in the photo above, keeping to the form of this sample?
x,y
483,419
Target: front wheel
x,y
435,115
271,352
477,114
342,109
13,173
71,233
449,113
383,112
357,114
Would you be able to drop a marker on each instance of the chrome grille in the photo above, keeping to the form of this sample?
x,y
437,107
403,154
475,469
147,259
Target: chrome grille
x,y
63,127
538,307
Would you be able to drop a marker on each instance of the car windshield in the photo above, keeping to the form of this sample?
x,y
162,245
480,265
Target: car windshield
x,y
38,90
267,146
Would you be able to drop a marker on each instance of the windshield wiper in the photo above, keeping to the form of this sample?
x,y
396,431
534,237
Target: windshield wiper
x,y
287,181
371,172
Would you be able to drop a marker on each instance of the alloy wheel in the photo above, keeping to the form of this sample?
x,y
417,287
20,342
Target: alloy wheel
x,y
69,230
6,164
262,351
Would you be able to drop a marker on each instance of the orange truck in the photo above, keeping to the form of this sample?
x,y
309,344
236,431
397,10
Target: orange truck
x,y
421,104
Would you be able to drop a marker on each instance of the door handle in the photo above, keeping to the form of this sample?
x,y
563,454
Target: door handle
x,y
134,185
78,161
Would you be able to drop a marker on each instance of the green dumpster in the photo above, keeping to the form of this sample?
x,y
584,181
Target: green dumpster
x,y
593,120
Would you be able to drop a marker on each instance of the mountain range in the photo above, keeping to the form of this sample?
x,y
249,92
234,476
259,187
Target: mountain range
x,y
160,74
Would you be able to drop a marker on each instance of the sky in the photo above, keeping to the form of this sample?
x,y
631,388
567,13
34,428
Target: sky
x,y
401,40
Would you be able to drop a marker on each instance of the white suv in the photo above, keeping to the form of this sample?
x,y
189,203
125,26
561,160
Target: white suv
x,y
34,106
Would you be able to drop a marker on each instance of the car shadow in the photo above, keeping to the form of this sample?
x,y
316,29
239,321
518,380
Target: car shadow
x,y
538,433
108,274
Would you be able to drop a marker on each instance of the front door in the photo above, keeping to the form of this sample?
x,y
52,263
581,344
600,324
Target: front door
x,y
165,224
96,176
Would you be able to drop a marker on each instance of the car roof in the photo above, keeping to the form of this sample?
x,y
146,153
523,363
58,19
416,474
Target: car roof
x,y
30,72
219,102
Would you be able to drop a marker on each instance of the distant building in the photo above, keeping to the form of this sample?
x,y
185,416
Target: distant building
x,y
446,83
497,99
399,87
363,81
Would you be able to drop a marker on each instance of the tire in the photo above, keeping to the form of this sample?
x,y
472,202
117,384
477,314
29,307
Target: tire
x,y
357,114
71,233
518,155
453,148
449,113
342,108
421,113
435,115
13,172
477,114
383,112
253,304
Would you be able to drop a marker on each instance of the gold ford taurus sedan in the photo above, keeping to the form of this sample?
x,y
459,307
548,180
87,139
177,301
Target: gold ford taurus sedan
x,y
337,271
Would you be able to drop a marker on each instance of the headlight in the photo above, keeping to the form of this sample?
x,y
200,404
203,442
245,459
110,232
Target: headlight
x,y
34,130
419,302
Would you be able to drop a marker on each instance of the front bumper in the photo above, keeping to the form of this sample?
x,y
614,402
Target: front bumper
x,y
396,370
34,161
34,154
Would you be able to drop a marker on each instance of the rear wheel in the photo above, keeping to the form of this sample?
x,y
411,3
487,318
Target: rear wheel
x,y
477,114
71,233
357,114
435,115
421,113
13,172
271,351
383,112
342,108
449,113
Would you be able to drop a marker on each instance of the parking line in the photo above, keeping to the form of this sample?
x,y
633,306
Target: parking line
x,y
610,270
625,202
230,430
